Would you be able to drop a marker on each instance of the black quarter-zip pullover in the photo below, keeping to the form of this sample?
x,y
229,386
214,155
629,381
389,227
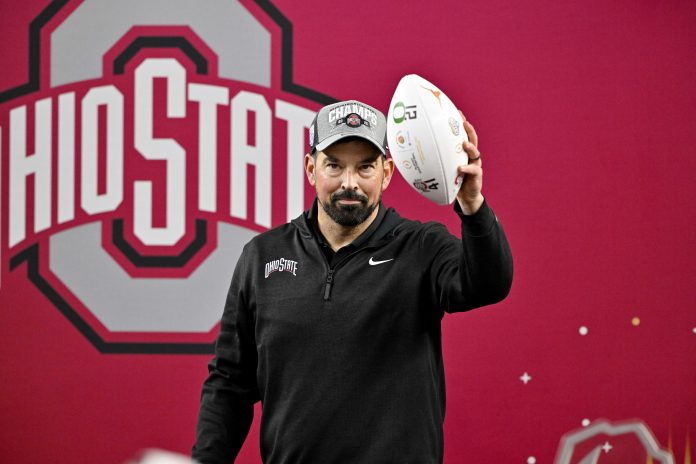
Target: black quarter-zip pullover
x,y
345,353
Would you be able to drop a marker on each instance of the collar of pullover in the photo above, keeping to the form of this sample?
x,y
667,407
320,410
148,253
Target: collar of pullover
x,y
384,223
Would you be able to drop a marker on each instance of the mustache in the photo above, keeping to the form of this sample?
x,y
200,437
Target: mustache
x,y
348,195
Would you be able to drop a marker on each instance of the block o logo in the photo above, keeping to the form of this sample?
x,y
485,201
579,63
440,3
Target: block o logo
x,y
142,154
632,442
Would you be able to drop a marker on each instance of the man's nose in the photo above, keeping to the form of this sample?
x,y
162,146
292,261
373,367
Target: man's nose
x,y
350,179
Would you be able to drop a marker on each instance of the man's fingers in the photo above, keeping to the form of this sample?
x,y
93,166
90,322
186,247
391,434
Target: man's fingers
x,y
470,169
472,153
470,131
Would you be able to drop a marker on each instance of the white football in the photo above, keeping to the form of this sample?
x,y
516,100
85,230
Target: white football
x,y
425,133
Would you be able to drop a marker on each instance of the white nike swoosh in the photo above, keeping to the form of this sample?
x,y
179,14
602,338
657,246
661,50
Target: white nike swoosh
x,y
375,263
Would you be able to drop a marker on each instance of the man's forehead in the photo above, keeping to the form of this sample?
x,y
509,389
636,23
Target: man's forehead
x,y
356,156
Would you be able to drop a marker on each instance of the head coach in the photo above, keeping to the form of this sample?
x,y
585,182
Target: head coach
x,y
332,321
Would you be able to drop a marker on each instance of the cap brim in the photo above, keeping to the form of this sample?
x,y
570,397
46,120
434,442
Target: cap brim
x,y
336,137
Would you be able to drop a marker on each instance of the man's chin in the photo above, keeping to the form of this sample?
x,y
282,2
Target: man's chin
x,y
349,215
350,208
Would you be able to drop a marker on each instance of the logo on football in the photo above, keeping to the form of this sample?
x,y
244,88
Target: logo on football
x,y
434,127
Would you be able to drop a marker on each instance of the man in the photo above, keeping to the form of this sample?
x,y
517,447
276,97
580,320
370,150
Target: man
x,y
333,320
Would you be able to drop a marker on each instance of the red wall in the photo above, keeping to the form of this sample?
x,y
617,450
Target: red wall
x,y
585,113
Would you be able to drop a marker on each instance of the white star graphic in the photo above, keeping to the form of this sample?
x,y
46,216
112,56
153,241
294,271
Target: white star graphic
x,y
606,447
525,378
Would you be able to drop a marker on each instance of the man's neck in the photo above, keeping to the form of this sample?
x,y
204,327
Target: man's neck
x,y
338,236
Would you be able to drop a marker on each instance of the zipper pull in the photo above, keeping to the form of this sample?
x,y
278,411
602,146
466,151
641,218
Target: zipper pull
x,y
329,282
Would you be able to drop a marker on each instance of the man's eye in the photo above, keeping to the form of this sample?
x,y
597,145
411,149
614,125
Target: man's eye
x,y
332,165
366,167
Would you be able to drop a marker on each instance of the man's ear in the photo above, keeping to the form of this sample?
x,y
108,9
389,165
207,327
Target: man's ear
x,y
310,168
388,171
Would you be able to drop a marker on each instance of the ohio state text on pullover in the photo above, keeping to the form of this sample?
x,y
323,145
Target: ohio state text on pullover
x,y
344,350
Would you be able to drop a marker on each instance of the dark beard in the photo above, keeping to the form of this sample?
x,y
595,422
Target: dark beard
x,y
348,215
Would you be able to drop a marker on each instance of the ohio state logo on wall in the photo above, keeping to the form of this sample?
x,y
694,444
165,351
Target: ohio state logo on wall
x,y
142,155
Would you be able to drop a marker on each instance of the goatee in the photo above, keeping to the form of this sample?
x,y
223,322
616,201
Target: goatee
x,y
349,215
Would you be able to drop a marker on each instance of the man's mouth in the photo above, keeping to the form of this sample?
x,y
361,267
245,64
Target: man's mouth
x,y
349,199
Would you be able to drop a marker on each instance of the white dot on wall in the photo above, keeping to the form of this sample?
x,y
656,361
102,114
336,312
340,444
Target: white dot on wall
x,y
585,422
531,460
583,330
694,330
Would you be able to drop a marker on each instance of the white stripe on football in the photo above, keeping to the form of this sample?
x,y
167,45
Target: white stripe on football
x,y
425,133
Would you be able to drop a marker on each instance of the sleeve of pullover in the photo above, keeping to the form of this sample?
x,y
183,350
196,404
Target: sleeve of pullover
x,y
475,271
230,390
